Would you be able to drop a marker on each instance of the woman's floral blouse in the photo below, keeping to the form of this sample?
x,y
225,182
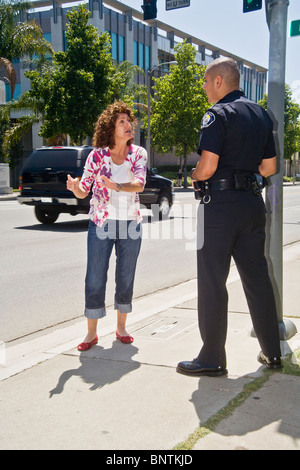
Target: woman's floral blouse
x,y
98,163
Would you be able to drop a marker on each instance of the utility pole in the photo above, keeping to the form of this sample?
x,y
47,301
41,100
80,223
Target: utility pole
x,y
276,14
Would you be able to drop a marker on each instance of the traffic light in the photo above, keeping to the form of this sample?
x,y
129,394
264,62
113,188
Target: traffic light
x,y
251,5
150,9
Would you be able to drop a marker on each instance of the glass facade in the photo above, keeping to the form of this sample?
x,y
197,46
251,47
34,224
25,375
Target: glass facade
x,y
47,37
142,55
121,48
117,47
17,92
247,88
259,93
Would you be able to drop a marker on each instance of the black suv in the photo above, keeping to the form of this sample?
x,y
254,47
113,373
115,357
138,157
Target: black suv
x,y
43,184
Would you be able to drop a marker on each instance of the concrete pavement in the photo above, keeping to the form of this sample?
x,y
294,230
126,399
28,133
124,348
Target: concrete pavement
x,y
119,397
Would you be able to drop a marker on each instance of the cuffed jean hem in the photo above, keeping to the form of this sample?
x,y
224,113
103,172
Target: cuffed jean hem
x,y
123,308
95,313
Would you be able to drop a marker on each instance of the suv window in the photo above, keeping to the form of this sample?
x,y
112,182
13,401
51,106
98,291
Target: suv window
x,y
58,159
84,154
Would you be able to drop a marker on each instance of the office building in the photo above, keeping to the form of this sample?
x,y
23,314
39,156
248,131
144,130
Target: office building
x,y
146,44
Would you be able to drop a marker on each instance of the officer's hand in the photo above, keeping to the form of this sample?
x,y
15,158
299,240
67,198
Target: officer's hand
x,y
193,179
195,189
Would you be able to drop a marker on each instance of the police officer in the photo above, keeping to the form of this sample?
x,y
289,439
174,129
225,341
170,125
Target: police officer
x,y
236,143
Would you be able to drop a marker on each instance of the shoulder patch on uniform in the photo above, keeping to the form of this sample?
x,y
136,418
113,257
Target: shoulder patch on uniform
x,y
207,119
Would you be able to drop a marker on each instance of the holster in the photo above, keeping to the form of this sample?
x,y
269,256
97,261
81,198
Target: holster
x,y
258,183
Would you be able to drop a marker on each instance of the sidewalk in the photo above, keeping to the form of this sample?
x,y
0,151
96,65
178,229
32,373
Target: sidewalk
x,y
129,397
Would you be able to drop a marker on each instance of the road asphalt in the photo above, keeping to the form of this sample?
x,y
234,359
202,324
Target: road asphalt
x,y
128,397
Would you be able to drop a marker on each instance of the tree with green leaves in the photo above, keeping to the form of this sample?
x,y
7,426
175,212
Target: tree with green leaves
x,y
4,126
179,105
126,88
18,40
69,94
78,87
291,123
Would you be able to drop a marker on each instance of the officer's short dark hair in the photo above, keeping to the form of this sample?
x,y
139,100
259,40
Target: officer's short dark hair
x,y
227,68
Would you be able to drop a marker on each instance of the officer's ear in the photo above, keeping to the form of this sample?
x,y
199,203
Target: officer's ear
x,y
218,80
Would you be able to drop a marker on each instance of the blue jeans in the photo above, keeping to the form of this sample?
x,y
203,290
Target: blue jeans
x,y
126,236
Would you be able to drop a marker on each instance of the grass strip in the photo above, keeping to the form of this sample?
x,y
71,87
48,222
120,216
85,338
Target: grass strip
x,y
291,366
224,413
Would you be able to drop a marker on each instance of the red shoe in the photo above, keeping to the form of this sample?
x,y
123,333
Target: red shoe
x,y
87,346
124,339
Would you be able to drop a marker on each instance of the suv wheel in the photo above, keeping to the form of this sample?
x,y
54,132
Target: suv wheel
x,y
44,216
164,206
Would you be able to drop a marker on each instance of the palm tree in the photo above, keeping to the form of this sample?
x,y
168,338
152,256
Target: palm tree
x,y
17,39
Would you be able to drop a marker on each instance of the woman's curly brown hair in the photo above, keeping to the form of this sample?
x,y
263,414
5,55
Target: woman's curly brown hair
x,y
104,135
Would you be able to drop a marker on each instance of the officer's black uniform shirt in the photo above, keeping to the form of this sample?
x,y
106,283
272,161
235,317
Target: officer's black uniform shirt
x,y
240,132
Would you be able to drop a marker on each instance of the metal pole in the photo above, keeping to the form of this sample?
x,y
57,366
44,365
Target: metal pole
x,y
276,11
149,76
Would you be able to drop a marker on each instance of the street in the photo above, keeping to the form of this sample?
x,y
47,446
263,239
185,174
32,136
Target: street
x,y
43,267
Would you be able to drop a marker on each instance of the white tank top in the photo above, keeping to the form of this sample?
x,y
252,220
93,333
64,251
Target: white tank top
x,y
120,200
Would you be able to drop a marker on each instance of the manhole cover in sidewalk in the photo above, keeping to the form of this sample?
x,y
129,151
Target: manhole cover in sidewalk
x,y
166,328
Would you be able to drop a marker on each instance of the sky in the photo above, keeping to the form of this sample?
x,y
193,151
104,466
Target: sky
x,y
222,23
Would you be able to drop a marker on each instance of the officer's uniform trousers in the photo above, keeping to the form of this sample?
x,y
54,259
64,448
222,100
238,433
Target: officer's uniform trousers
x,y
234,226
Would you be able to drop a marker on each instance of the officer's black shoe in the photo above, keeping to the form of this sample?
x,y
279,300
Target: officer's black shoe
x,y
270,362
194,368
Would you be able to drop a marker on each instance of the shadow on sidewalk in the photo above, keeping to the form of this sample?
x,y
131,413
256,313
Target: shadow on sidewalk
x,y
269,409
100,367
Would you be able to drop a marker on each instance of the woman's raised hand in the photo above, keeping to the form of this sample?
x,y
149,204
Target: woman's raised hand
x,y
72,184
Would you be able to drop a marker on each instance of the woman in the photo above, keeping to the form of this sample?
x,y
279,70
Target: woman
x,y
117,170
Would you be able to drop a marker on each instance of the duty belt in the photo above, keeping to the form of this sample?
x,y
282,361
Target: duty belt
x,y
240,181
220,185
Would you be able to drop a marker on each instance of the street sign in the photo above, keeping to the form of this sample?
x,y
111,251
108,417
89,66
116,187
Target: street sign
x,y
295,28
173,4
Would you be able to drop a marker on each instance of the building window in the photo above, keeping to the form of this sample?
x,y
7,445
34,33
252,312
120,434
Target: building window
x,y
259,93
47,37
121,48
141,55
135,53
247,89
117,46
17,92
114,46
147,58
